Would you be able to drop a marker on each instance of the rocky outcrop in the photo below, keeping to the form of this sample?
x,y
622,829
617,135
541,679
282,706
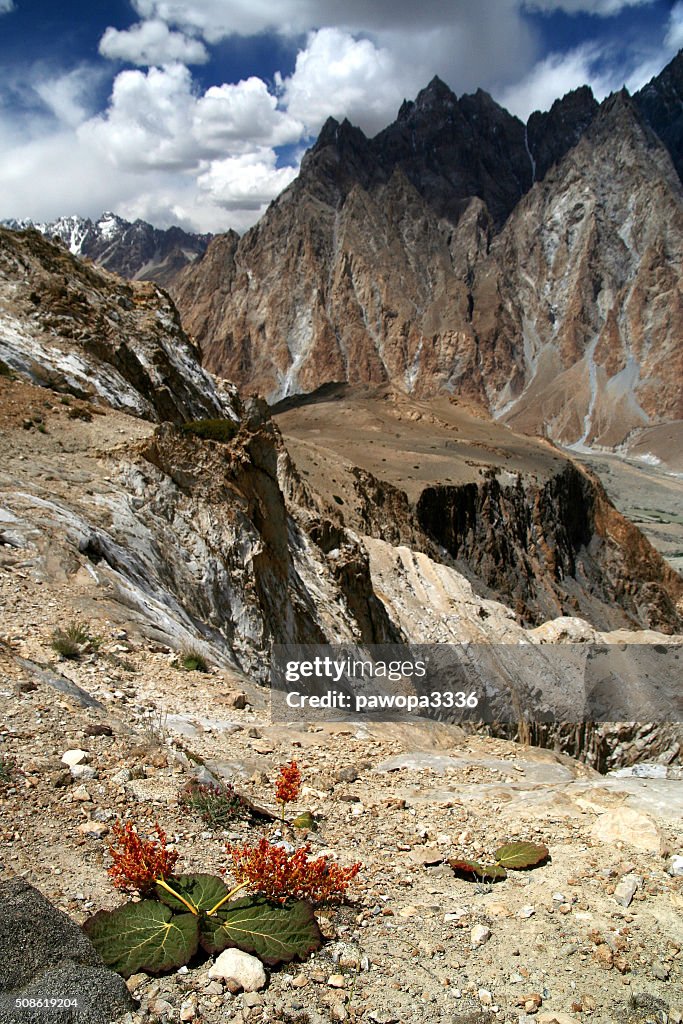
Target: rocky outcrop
x,y
84,332
554,549
660,104
551,134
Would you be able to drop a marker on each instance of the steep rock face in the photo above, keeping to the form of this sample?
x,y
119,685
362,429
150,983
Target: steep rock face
x,y
83,331
376,266
551,134
363,293
579,321
134,250
556,549
660,104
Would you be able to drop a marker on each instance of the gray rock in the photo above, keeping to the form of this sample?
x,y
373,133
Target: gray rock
x,y
44,954
626,890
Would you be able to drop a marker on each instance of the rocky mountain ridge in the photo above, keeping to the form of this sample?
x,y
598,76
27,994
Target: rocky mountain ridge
x,y
448,253
135,250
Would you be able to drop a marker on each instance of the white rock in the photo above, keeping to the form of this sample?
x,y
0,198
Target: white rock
x,y
625,825
72,757
479,935
626,890
83,772
676,865
243,968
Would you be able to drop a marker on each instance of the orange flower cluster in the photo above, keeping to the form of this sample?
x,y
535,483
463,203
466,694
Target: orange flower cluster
x,y
278,875
288,783
139,863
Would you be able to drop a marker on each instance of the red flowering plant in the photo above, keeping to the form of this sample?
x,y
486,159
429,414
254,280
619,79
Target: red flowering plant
x,y
139,864
273,872
174,915
287,785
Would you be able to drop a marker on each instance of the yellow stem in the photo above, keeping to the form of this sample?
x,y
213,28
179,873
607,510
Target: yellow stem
x,y
225,899
162,883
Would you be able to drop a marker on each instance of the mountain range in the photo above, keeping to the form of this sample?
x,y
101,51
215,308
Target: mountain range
x,y
530,270
135,250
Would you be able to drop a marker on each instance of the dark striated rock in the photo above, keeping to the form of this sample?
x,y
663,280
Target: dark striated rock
x,y
43,954
660,104
550,135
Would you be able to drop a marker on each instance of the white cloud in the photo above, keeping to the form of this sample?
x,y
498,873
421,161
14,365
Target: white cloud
x,y
6,6
69,96
152,42
155,120
245,182
674,36
341,76
552,78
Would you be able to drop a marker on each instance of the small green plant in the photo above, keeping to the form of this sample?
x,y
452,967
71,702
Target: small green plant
x,y
218,805
9,769
211,430
510,857
74,640
192,660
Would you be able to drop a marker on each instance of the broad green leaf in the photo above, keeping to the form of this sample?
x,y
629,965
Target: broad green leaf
x,y
475,869
201,891
275,933
144,936
521,855
304,820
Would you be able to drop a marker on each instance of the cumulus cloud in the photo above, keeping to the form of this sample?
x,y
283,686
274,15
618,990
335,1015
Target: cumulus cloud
x,y
552,78
6,6
341,76
155,120
152,42
245,182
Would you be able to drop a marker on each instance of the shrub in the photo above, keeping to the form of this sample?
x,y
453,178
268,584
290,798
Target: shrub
x,y
218,805
211,430
192,660
73,640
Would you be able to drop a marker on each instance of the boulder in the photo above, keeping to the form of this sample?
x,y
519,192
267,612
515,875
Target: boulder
x,y
44,954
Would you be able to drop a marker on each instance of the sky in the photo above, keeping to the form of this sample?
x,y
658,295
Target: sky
x,y
197,112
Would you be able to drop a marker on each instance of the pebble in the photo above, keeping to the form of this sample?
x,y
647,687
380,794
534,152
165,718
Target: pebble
x,y
626,890
73,757
123,776
83,772
337,981
676,865
526,912
479,935
659,971
188,1008
300,981
81,794
96,829
243,968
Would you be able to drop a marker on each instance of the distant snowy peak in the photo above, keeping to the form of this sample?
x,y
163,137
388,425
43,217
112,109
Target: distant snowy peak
x,y
136,250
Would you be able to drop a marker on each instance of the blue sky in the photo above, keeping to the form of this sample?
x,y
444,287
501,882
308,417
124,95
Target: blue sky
x,y
198,111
